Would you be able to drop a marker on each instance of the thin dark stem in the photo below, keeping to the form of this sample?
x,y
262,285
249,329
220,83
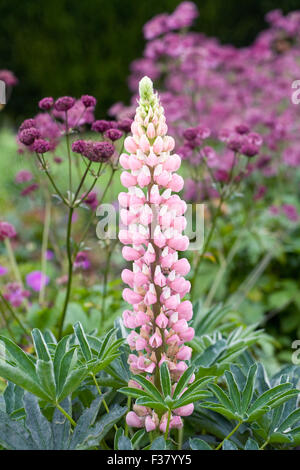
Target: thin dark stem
x,y
14,315
51,179
70,273
7,323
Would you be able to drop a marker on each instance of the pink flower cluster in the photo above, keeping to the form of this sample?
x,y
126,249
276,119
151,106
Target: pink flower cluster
x,y
224,88
154,221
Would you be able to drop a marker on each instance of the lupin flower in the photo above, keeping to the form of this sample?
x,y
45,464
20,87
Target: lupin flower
x,y
154,221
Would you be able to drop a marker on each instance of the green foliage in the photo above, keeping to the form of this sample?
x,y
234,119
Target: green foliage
x,y
35,432
57,370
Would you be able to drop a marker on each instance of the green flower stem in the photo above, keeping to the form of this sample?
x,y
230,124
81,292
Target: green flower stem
x,y
12,260
46,231
70,273
168,425
69,252
65,414
103,401
128,409
13,314
58,192
180,438
92,185
264,444
229,435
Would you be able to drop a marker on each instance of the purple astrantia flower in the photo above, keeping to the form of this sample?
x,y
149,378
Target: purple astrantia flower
x,y
3,270
64,103
94,151
290,212
101,126
89,101
36,280
15,294
7,230
46,103
27,136
82,261
91,200
23,176
113,134
41,146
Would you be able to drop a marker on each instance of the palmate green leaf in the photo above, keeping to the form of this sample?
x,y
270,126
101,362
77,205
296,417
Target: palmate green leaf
x,y
183,382
233,389
152,403
191,398
222,396
22,359
268,396
98,432
135,392
124,443
64,368
36,423
248,390
198,444
85,421
292,419
82,340
60,351
138,436
40,345
61,426
149,387
219,409
13,434
73,380
158,444
13,398
229,445
251,444
165,380
45,373
22,379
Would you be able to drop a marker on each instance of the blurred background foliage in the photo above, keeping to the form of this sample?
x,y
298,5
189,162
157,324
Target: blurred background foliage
x,y
75,47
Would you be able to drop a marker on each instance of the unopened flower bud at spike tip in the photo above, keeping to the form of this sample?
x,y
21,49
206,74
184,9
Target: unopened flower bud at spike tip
x,y
146,88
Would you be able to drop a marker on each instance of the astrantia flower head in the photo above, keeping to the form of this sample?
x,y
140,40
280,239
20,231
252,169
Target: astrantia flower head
x,y
64,103
101,126
88,101
94,151
46,103
28,136
7,230
113,134
154,222
27,124
41,146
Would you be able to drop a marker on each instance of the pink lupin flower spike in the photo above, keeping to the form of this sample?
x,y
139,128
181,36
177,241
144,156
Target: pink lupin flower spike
x,y
154,221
